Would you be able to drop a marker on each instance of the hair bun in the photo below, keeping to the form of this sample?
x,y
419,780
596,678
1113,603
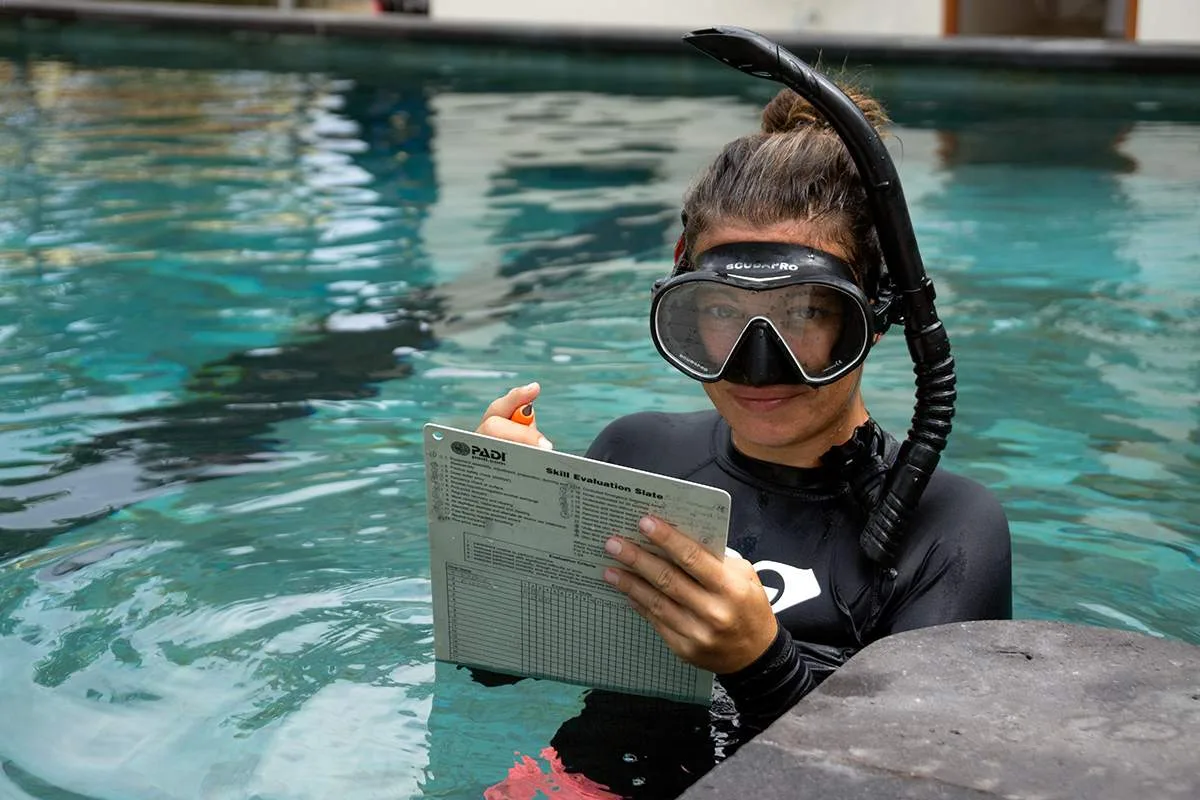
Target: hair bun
x,y
789,112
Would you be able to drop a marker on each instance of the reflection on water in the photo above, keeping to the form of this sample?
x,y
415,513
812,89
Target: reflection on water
x,y
1085,309
232,298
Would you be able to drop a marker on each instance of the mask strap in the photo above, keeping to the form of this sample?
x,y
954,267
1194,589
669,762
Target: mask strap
x,y
680,260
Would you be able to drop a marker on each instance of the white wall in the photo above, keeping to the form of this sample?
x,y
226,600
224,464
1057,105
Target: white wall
x,y
1169,21
887,17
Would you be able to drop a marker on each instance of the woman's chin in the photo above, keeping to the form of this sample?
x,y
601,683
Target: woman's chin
x,y
763,433
764,442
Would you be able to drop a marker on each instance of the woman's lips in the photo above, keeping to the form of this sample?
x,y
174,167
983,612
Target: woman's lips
x,y
768,399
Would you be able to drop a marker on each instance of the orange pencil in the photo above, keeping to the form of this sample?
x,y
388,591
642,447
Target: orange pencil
x,y
523,415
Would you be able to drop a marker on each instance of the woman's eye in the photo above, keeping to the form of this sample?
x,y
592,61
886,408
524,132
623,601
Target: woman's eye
x,y
721,311
808,313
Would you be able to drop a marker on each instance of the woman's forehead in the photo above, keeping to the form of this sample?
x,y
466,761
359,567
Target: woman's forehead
x,y
803,234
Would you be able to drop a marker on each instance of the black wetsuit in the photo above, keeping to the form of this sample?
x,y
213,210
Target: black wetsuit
x,y
955,565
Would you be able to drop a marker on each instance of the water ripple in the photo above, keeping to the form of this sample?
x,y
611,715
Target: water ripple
x,y
231,298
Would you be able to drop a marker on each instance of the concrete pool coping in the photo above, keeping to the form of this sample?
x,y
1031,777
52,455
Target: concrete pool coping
x,y
1092,55
986,710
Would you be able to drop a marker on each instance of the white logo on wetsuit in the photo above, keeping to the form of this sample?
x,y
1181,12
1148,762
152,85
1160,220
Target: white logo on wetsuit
x,y
799,585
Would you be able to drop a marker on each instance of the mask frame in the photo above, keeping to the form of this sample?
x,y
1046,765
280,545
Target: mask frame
x,y
761,355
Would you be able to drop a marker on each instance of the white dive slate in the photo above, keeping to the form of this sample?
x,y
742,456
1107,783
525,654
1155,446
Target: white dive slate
x,y
516,541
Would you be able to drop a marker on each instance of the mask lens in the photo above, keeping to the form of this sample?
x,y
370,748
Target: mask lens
x,y
700,323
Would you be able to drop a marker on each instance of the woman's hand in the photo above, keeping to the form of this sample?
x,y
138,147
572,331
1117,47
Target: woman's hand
x,y
496,420
711,613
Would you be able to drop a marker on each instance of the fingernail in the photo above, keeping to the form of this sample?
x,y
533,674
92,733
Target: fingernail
x,y
611,576
530,386
646,525
545,443
613,546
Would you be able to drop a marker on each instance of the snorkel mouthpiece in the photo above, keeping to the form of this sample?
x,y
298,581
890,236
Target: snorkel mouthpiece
x,y
928,343
761,359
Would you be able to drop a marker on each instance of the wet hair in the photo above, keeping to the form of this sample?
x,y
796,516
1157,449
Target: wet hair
x,y
795,169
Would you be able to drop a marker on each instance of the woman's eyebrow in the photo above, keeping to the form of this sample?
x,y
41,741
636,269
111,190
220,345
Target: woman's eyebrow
x,y
709,292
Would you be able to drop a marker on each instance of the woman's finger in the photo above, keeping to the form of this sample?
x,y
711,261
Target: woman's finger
x,y
677,642
660,610
509,431
515,398
511,417
657,572
684,551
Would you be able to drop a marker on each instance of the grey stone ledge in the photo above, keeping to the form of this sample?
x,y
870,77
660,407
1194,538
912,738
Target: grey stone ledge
x,y
956,51
1019,709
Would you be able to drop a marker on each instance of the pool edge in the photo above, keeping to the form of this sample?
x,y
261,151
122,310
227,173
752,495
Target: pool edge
x,y
1088,55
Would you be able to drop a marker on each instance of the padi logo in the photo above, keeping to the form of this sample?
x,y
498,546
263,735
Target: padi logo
x,y
475,451
778,266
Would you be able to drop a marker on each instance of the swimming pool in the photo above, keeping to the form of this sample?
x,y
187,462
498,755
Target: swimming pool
x,y
232,296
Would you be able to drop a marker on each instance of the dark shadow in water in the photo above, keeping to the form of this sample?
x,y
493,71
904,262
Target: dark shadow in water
x,y
1045,142
228,423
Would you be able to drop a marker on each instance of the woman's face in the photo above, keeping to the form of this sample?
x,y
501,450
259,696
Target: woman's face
x,y
789,423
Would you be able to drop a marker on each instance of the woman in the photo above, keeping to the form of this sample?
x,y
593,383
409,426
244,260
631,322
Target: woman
x,y
778,292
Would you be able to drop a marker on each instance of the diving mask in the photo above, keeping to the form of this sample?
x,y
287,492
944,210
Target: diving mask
x,y
764,313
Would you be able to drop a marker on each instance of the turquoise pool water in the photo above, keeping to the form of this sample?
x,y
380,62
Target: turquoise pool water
x,y
238,279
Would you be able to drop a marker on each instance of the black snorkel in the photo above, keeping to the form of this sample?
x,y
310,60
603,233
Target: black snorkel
x,y
928,344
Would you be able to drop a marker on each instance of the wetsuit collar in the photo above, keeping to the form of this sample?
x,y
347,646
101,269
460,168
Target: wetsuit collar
x,y
811,482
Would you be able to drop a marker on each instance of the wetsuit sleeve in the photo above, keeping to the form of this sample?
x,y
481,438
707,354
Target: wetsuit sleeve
x,y
780,677
771,685
958,565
